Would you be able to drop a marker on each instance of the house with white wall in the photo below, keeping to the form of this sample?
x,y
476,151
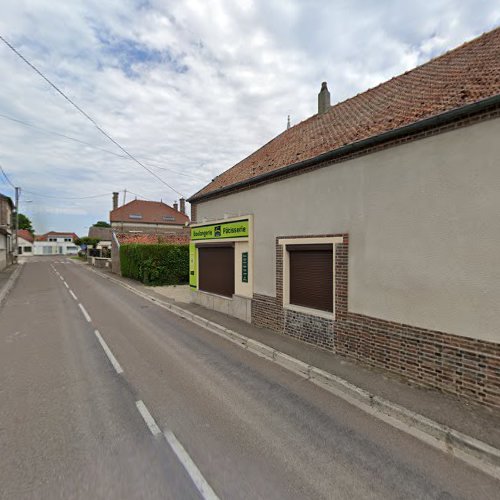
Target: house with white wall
x,y
25,243
56,243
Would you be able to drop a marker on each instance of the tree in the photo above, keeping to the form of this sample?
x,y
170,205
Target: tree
x,y
102,223
25,223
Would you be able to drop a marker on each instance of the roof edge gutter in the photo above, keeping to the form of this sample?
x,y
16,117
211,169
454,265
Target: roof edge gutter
x,y
412,128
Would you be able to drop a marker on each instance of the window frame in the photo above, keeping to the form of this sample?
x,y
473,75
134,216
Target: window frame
x,y
320,240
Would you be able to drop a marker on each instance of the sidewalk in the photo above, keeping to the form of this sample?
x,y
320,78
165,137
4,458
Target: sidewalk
x,y
473,420
7,279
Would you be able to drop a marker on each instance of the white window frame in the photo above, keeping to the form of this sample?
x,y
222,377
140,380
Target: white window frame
x,y
326,240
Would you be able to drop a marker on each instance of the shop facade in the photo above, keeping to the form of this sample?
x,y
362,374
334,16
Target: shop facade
x,y
221,265
373,226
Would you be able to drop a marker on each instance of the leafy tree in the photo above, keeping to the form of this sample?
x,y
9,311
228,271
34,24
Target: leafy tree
x,y
102,223
86,241
25,223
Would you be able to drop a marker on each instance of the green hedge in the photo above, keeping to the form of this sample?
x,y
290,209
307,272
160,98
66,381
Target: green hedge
x,y
160,264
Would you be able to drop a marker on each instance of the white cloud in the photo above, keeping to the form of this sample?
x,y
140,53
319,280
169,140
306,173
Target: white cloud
x,y
191,86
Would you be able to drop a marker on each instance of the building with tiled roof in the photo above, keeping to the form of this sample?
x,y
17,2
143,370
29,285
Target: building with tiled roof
x,y
25,242
141,216
55,243
371,228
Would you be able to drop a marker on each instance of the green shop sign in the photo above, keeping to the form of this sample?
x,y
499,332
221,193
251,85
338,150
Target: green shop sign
x,y
238,229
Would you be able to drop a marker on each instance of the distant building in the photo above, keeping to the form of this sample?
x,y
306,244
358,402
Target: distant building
x,y
6,227
25,243
56,243
140,216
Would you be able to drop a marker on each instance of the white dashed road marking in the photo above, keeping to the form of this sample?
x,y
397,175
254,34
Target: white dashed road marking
x,y
194,473
108,352
85,313
196,476
73,295
150,421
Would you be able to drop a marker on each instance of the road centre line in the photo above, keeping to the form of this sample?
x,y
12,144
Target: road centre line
x,y
194,473
182,455
85,313
148,418
72,294
66,285
108,352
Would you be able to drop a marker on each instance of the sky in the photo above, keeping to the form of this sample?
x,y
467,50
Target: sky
x,y
188,87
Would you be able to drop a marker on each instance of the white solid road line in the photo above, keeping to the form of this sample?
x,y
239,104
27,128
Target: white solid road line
x,y
108,352
72,294
196,476
85,313
150,421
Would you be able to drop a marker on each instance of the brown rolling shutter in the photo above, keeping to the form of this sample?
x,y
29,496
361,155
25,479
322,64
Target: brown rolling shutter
x,y
216,270
311,276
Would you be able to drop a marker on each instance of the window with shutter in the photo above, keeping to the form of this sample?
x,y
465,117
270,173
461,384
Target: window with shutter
x,y
311,276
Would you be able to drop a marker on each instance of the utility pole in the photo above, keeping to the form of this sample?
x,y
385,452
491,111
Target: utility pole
x,y
16,248
124,196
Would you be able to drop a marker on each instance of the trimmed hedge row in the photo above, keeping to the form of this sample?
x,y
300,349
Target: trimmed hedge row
x,y
155,265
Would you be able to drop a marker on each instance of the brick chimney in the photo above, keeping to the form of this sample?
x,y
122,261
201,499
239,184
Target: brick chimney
x,y
176,206
182,203
323,99
115,201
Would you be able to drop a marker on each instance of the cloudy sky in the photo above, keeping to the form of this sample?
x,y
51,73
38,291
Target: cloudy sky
x,y
189,87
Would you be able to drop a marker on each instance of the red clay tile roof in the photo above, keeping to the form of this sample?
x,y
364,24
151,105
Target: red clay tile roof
x,y
26,235
153,239
151,212
44,237
460,77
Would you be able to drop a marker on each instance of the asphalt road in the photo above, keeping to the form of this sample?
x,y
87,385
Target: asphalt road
x,y
222,421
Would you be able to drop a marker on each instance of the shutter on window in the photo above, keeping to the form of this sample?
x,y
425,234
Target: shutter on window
x,y
216,270
311,277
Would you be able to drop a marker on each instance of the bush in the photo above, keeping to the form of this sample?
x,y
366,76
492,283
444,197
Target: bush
x,y
155,264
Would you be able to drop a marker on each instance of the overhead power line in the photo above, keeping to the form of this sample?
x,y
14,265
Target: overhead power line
x,y
6,177
34,193
88,144
88,117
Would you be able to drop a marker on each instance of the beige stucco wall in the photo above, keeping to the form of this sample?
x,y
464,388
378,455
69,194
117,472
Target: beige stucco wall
x,y
424,226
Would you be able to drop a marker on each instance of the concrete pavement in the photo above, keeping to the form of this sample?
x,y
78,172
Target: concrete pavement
x,y
251,429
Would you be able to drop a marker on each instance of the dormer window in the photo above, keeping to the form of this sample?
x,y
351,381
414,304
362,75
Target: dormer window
x,y
168,217
135,216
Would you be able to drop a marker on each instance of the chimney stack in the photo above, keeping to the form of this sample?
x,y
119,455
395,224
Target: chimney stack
x,y
115,201
176,207
323,99
182,203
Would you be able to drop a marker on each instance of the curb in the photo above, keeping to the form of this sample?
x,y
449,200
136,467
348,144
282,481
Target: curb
x,y
10,283
466,448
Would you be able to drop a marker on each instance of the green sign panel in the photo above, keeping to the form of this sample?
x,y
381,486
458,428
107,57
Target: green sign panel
x,y
244,267
193,268
238,229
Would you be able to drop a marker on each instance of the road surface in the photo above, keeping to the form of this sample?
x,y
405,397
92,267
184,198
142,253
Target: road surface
x,y
105,395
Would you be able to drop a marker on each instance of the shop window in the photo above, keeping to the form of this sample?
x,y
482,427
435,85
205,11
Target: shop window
x,y
216,270
311,276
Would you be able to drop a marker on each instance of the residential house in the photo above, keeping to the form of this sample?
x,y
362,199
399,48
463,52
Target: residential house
x,y
371,228
56,243
140,216
6,231
25,243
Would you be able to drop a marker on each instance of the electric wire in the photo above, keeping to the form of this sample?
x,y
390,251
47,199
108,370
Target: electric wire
x,y
87,116
6,177
88,144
